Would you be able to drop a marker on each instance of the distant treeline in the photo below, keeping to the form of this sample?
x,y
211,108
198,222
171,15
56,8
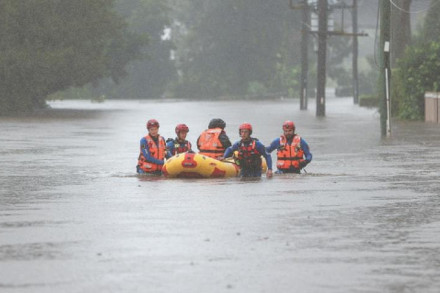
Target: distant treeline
x,y
129,49
50,45
138,49
210,48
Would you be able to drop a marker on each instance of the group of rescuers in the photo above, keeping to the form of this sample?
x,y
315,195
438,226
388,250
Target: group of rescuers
x,y
293,152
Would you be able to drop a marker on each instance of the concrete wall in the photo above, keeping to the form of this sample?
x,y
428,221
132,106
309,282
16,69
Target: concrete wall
x,y
432,107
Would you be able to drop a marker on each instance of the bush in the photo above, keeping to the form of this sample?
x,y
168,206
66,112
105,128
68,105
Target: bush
x,y
369,101
418,73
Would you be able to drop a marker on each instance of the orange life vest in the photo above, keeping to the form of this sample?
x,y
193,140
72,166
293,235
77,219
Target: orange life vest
x,y
156,151
290,155
209,144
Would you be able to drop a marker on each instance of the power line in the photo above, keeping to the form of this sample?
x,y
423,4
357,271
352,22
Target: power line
x,y
411,12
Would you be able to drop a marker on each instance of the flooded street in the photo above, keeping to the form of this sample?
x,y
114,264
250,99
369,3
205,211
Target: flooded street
x,y
75,217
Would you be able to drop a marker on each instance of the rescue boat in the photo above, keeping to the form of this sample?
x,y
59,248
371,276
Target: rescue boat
x,y
193,165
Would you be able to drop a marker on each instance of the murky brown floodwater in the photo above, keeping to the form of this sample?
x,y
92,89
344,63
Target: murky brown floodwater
x,y
74,217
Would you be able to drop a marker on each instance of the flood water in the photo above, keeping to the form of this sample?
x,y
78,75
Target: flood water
x,y
74,216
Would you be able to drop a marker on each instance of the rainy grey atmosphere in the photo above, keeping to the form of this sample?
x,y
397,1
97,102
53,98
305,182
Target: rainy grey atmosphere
x,y
219,146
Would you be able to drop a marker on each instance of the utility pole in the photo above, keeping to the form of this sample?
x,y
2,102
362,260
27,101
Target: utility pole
x,y
322,52
304,54
384,51
304,6
321,8
355,53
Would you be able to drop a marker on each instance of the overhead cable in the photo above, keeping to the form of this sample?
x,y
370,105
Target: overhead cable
x,y
411,12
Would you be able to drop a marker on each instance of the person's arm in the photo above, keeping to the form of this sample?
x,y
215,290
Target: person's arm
x,y
167,153
307,153
306,149
274,145
224,139
170,149
146,153
230,150
262,150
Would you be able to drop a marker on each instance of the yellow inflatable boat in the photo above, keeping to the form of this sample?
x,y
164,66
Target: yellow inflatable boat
x,y
192,165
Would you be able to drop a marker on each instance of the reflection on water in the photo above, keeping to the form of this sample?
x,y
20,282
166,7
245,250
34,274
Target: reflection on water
x,y
75,217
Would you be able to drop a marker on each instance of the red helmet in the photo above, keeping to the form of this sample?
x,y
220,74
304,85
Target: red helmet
x,y
181,127
152,123
245,126
288,125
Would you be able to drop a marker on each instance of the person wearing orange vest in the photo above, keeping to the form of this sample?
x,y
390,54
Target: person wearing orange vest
x,y
249,151
293,152
179,144
213,141
152,150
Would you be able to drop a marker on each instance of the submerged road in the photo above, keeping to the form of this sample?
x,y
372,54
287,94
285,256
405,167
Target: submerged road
x,y
74,216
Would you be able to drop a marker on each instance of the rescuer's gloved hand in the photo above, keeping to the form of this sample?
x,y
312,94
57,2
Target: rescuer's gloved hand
x,y
302,164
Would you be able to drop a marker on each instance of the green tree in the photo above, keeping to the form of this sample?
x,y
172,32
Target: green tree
x,y
51,45
418,69
418,72
231,45
147,77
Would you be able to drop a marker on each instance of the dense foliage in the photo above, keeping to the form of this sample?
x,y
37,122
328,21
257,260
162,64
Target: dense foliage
x,y
234,47
182,48
150,76
418,70
51,45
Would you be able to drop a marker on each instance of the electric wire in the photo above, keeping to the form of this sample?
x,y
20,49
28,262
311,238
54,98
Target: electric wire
x,y
411,12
